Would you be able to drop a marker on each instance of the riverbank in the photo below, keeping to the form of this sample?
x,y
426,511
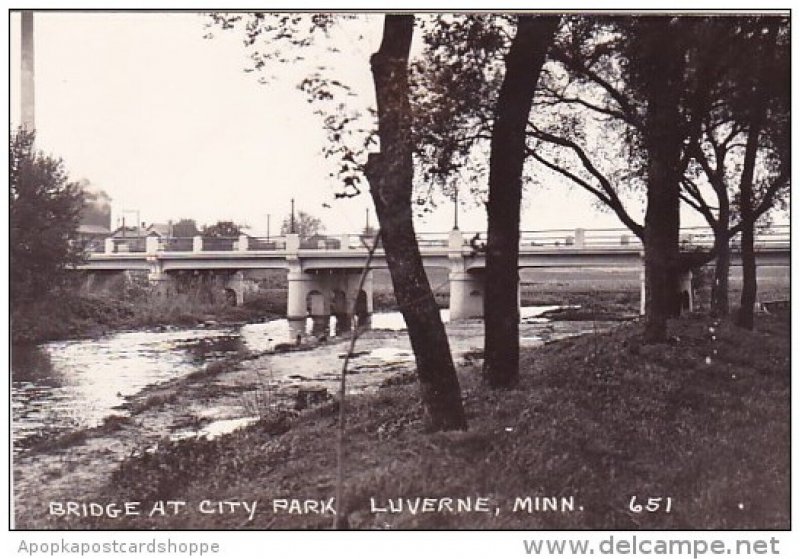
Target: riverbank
x,y
590,295
595,420
78,314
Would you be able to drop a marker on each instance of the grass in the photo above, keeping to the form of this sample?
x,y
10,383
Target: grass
x,y
703,420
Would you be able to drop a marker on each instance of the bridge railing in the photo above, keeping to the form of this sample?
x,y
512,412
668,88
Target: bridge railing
x,y
266,243
776,236
96,246
125,245
433,240
611,237
579,238
321,243
220,244
177,244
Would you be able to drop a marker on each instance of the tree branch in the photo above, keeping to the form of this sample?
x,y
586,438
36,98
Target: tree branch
x,y
609,195
625,106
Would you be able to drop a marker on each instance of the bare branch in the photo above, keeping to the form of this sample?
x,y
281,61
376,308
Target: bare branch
x,y
609,195
578,66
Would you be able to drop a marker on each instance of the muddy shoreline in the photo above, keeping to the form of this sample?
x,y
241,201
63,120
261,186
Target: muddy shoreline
x,y
594,416
231,393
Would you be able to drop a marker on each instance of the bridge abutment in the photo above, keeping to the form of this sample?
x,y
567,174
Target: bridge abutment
x,y
234,288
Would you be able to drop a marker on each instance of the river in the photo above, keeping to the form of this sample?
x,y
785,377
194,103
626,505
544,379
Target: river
x,y
62,386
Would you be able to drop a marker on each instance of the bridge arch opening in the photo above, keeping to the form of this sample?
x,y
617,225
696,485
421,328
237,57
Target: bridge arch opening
x,y
362,310
231,298
340,311
319,312
315,303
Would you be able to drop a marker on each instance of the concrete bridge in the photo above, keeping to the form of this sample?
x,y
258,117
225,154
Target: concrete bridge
x,y
323,272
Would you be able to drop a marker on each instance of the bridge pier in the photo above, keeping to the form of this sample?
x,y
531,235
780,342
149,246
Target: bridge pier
x,y
161,281
684,288
466,295
320,295
466,287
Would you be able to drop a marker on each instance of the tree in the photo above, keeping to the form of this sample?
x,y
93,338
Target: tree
x,y
719,154
185,227
305,225
222,229
593,57
756,114
508,150
44,213
390,174
658,66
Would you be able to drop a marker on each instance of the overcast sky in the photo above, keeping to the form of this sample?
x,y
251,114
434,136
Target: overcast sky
x,y
169,124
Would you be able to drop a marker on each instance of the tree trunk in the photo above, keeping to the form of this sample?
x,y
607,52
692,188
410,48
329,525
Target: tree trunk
x,y
501,304
662,65
719,290
744,317
390,174
758,110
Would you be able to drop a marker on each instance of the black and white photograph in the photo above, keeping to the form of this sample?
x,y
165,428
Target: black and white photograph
x,y
430,270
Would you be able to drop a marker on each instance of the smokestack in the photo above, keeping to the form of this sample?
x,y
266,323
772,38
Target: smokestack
x,y
27,86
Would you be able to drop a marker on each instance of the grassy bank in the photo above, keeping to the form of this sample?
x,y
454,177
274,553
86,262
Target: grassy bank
x,y
80,313
703,420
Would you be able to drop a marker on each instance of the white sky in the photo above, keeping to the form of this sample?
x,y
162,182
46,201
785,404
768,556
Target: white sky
x,y
169,124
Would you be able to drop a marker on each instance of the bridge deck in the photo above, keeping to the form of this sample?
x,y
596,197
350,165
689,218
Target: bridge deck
x,y
554,248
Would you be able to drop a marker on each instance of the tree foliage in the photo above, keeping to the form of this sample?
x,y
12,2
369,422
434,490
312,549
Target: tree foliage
x,y
185,227
44,213
305,224
222,229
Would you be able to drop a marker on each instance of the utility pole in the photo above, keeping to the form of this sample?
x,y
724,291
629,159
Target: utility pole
x,y
291,228
27,91
267,227
137,222
455,210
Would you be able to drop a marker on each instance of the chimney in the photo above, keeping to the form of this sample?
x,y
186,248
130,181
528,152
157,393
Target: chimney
x,y
27,87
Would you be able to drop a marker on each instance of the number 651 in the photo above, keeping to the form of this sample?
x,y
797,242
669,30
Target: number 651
x,y
651,504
